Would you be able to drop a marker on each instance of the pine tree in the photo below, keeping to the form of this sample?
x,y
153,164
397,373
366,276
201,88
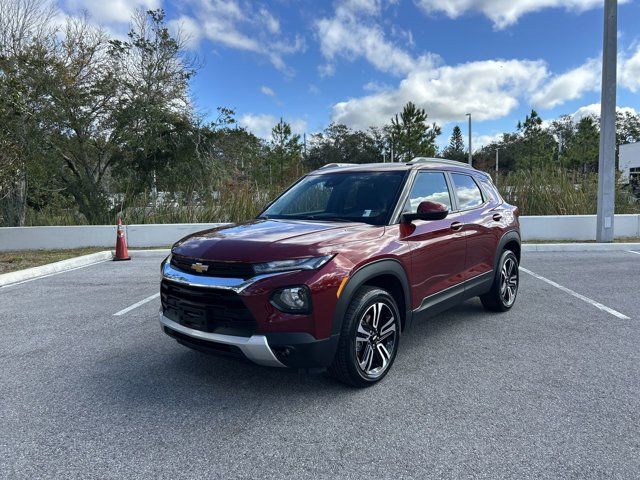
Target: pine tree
x,y
411,136
455,150
286,148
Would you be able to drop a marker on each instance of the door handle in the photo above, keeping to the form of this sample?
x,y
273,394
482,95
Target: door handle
x,y
456,226
497,217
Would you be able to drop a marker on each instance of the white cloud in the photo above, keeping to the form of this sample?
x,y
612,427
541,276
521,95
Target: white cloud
x,y
629,70
188,29
272,23
586,78
227,23
353,33
261,124
569,86
593,110
373,86
504,12
489,89
267,91
110,11
480,141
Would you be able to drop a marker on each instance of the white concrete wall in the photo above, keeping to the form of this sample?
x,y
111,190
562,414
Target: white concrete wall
x,y
38,238
565,227
574,227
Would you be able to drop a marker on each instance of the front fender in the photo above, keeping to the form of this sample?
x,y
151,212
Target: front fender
x,y
385,266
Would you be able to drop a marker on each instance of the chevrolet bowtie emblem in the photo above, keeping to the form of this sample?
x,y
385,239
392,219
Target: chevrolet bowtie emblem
x,y
198,267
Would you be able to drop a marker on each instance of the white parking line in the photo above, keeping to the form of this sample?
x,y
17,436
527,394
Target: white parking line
x,y
633,251
577,295
51,274
136,305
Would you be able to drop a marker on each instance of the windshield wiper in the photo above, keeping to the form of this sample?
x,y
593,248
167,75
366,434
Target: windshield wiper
x,y
330,218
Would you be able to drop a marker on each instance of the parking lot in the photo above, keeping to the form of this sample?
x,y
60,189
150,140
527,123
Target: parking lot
x,y
550,389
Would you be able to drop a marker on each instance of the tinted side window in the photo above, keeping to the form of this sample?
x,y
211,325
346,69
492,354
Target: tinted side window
x,y
428,186
467,191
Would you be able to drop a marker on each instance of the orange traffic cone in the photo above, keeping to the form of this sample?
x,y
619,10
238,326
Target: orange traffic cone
x,y
121,244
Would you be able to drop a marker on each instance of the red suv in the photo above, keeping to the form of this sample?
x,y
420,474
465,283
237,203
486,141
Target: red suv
x,y
335,270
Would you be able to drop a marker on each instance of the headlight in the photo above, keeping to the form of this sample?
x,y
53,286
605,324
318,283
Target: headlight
x,y
312,263
292,299
165,261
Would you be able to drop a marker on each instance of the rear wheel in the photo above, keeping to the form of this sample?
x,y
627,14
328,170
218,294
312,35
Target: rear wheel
x,y
369,339
504,290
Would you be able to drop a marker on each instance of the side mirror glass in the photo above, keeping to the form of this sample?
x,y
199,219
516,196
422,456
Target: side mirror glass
x,y
427,211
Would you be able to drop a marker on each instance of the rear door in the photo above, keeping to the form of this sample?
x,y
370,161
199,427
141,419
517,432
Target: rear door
x,y
476,215
437,246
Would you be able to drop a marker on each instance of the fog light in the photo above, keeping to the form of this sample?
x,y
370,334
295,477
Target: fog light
x,y
295,299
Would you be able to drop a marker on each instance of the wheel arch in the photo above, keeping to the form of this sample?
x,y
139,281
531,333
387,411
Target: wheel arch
x,y
388,274
509,241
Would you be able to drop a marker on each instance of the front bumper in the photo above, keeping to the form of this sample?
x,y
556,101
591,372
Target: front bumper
x,y
255,348
294,350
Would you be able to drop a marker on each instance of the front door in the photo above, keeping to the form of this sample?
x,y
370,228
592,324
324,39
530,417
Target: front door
x,y
438,247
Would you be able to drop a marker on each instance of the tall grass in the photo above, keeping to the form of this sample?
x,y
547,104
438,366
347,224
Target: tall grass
x,y
546,191
554,191
233,202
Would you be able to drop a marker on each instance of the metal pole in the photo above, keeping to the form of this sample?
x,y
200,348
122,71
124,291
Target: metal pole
x,y
470,148
497,159
607,159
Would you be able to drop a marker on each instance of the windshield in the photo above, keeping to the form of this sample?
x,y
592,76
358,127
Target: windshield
x,y
365,197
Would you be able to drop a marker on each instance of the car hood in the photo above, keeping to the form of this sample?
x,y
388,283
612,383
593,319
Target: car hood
x,y
264,240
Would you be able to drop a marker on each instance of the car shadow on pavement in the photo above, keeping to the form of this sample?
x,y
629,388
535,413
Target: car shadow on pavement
x,y
166,374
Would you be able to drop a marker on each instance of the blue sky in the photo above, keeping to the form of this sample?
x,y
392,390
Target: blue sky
x,y
358,61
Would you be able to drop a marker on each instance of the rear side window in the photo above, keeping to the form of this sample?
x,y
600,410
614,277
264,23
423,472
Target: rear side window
x,y
429,186
467,191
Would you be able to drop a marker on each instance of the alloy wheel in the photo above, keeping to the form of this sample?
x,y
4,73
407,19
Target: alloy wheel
x,y
509,281
376,340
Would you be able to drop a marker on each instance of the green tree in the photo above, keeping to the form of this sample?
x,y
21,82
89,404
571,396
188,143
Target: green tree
x,y
582,148
285,150
26,35
536,146
627,127
339,144
455,150
411,136
154,116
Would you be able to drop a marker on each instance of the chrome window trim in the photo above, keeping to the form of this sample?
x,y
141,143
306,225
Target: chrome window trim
x,y
225,283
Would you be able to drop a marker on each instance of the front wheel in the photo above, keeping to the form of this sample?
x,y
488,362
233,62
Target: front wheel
x,y
503,292
369,338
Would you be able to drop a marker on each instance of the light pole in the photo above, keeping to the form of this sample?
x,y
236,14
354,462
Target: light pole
x,y
470,149
607,158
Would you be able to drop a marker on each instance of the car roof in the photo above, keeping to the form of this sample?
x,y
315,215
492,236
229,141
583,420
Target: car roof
x,y
418,163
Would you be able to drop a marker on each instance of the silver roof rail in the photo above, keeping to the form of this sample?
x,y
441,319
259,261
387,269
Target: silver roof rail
x,y
333,165
418,160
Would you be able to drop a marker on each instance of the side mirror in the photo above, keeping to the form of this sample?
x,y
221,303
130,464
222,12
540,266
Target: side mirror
x,y
427,211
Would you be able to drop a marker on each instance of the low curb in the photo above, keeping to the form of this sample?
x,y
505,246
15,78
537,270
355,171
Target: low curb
x,y
11,278
148,252
579,247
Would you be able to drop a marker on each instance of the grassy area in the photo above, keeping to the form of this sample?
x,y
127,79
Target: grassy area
x,y
19,260
12,261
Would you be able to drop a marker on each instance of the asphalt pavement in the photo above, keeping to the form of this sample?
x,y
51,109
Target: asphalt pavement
x,y
550,389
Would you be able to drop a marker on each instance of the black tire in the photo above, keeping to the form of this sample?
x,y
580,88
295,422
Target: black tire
x,y
367,347
504,290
